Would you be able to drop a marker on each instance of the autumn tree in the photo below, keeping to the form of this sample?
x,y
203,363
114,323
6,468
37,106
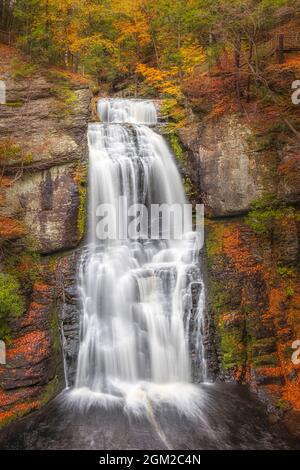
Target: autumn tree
x,y
6,14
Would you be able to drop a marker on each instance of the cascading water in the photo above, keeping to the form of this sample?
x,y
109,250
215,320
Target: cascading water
x,y
142,321
136,295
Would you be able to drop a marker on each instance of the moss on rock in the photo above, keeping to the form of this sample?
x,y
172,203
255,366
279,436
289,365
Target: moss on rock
x,y
12,304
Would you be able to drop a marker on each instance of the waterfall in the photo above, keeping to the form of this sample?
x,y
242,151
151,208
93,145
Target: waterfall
x,y
137,299
127,111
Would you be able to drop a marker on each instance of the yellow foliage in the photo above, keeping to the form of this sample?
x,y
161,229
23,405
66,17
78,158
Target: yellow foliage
x,y
84,44
159,80
133,22
151,74
191,56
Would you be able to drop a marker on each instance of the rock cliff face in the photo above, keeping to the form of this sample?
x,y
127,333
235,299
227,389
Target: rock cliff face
x,y
42,198
231,169
253,258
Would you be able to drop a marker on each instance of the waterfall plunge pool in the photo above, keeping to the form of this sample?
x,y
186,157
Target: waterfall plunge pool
x,y
230,417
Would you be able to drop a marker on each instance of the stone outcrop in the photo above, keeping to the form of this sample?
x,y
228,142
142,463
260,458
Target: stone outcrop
x,y
47,202
42,204
231,170
69,311
43,134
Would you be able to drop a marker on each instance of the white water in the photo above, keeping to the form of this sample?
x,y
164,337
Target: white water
x,y
136,296
127,111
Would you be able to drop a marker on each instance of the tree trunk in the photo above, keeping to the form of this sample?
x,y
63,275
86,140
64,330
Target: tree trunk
x,y
249,72
237,59
280,51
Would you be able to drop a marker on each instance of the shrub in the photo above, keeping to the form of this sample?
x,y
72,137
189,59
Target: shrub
x,y
9,150
66,100
80,180
11,302
265,212
173,111
21,69
176,147
11,153
63,92
25,267
286,272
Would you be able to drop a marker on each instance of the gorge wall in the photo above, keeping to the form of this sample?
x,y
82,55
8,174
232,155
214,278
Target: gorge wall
x,y
42,205
253,257
252,245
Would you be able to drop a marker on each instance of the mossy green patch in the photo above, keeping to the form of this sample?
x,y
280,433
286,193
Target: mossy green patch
x,y
176,146
9,150
80,179
51,390
233,349
66,101
282,404
81,221
63,92
265,212
173,111
289,292
14,104
219,297
26,267
11,302
231,337
213,239
287,272
12,153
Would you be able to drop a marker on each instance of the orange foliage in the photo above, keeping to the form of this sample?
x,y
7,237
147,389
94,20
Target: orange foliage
x,y
291,64
78,174
33,345
10,228
6,52
5,182
18,410
10,397
276,297
32,316
75,78
270,371
291,393
284,312
40,286
239,252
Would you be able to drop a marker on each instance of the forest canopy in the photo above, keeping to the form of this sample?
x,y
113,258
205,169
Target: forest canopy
x,y
223,52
